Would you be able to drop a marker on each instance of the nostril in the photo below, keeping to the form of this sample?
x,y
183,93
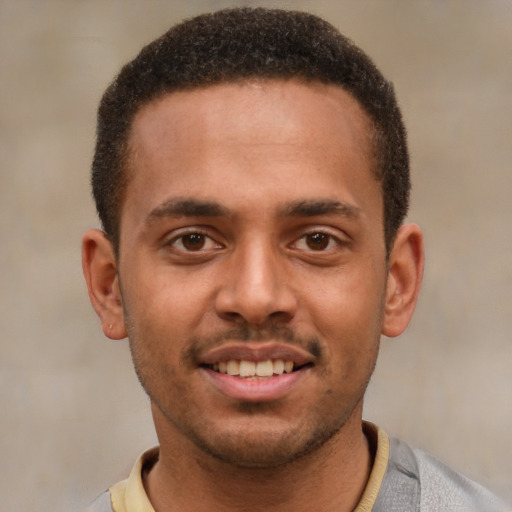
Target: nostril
x,y
281,316
233,317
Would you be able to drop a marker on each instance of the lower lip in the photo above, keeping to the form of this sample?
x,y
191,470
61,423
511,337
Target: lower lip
x,y
255,390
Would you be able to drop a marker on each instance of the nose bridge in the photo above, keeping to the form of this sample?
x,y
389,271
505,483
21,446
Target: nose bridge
x,y
256,287
258,273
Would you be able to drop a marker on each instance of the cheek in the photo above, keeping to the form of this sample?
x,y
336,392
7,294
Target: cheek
x,y
347,304
161,299
163,314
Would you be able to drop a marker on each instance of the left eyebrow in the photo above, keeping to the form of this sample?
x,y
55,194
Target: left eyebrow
x,y
187,207
314,207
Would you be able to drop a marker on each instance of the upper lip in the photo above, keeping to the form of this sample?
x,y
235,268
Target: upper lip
x,y
256,351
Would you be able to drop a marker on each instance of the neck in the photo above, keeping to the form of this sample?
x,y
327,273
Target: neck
x,y
332,478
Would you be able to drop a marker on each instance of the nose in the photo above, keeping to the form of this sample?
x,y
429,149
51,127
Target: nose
x,y
257,288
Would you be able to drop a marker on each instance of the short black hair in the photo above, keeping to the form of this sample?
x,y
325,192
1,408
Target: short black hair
x,y
236,44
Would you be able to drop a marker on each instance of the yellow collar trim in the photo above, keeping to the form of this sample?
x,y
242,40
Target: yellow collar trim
x,y
380,464
129,495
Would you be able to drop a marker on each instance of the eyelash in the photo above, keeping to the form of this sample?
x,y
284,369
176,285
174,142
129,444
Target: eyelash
x,y
180,239
325,241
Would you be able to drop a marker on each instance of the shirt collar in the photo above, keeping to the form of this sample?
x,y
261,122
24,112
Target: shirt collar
x,y
130,496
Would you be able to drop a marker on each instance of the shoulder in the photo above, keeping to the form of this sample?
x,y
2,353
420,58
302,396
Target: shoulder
x,y
101,504
441,486
129,494
432,485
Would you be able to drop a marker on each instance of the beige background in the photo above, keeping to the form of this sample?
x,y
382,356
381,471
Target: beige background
x,y
73,418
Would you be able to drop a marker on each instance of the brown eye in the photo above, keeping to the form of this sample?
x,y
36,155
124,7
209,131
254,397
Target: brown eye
x,y
193,241
317,241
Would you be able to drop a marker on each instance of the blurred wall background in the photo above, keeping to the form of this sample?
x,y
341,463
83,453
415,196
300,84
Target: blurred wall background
x,y
73,418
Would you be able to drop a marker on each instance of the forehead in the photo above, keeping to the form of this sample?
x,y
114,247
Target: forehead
x,y
255,108
250,138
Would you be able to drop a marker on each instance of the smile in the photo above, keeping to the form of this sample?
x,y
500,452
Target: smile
x,y
255,388
256,371
253,369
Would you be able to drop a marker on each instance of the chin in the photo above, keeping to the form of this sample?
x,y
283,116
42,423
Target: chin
x,y
264,448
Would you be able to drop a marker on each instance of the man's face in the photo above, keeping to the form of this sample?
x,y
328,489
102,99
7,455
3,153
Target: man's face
x,y
252,238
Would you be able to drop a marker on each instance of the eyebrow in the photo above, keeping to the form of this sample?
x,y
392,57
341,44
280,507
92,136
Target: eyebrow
x,y
187,207
314,207
192,207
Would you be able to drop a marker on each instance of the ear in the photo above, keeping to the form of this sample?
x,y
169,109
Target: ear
x,y
100,271
405,273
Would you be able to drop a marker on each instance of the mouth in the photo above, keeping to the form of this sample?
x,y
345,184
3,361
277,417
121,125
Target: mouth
x,y
256,370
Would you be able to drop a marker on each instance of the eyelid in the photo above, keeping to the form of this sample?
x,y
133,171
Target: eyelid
x,y
332,239
339,237
177,234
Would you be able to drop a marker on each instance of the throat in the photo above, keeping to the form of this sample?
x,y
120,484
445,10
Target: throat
x,y
332,478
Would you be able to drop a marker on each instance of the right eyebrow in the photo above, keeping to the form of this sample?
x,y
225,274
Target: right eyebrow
x,y
314,207
187,207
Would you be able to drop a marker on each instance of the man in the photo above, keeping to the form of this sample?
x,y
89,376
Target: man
x,y
251,175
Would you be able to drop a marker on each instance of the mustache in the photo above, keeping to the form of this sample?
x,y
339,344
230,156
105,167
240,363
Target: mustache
x,y
245,333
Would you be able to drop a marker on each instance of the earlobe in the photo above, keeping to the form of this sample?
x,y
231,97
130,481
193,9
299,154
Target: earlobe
x,y
405,273
100,271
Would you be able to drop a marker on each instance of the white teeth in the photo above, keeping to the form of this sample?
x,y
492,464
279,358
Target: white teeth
x,y
247,368
265,369
233,368
279,366
250,369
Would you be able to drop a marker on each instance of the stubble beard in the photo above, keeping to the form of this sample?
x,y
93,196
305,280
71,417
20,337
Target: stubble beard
x,y
268,450
245,447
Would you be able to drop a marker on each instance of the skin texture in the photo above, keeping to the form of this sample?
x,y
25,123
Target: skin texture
x,y
252,222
